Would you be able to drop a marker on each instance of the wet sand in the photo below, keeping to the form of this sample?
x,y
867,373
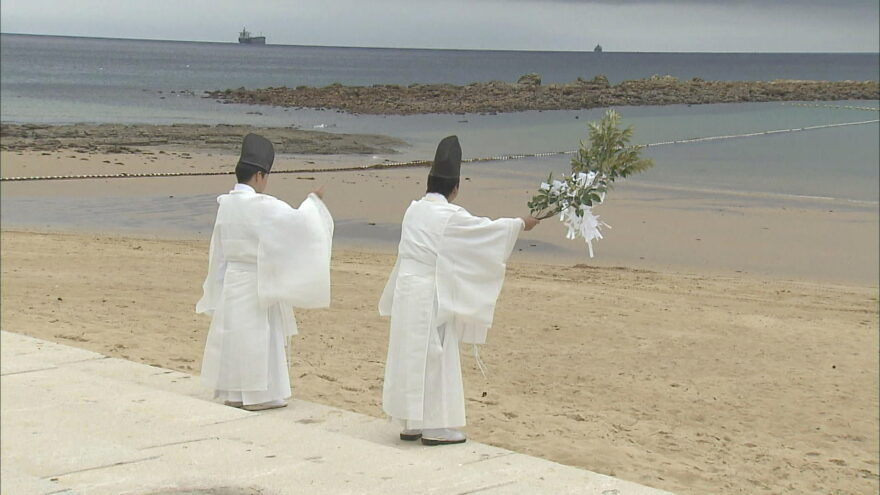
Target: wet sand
x,y
658,228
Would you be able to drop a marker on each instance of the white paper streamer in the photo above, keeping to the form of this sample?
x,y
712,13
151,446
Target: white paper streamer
x,y
586,225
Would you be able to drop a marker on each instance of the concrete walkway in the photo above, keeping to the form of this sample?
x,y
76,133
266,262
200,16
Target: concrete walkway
x,y
74,421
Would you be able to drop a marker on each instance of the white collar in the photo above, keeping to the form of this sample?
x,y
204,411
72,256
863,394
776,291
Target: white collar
x,y
243,188
436,198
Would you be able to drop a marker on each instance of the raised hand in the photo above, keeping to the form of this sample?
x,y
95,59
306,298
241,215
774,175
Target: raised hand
x,y
530,222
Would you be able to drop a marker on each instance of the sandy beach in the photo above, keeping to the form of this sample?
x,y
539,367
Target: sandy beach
x,y
691,383
720,342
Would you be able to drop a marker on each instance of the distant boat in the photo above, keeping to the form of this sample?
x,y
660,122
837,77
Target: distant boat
x,y
598,49
245,37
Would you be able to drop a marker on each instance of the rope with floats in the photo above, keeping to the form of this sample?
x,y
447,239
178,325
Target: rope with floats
x,y
763,133
424,163
838,107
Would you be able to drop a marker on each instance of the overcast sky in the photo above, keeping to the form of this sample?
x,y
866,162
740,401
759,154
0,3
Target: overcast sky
x,y
623,25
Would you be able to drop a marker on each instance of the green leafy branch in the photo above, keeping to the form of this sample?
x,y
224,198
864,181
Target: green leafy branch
x,y
597,164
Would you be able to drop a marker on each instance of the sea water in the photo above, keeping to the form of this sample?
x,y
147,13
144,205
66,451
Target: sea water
x,y
45,79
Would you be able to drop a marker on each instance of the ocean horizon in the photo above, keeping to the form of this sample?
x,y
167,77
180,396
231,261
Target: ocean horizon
x,y
296,45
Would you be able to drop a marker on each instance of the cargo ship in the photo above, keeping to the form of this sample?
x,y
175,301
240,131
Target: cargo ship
x,y
245,37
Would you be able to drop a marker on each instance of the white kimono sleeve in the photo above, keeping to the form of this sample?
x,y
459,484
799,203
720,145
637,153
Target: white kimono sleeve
x,y
293,260
470,271
213,285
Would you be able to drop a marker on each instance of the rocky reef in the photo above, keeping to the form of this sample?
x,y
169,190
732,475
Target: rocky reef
x,y
121,138
528,93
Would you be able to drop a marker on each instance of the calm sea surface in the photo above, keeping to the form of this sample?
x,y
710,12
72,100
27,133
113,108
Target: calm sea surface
x,y
66,80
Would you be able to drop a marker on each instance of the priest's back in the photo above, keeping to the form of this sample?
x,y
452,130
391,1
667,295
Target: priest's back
x,y
443,289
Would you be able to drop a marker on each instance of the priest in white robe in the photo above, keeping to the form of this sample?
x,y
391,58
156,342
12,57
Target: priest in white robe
x,y
441,292
266,258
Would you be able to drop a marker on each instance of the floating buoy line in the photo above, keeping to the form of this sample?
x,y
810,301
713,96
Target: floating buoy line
x,y
762,133
427,163
838,107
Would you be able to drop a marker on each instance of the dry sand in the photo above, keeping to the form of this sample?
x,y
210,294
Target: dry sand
x,y
691,383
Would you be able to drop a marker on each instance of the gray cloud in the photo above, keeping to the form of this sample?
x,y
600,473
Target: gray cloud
x,y
825,4
624,25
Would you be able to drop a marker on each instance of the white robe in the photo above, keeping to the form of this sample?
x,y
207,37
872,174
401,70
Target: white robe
x,y
441,292
265,259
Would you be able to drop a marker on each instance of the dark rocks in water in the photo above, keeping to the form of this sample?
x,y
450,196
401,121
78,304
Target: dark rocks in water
x,y
600,81
528,93
530,79
132,139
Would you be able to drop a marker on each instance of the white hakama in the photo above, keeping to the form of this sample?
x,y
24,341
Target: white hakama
x,y
442,292
266,258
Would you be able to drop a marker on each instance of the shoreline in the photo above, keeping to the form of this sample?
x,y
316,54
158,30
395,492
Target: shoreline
x,y
528,93
691,383
655,226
